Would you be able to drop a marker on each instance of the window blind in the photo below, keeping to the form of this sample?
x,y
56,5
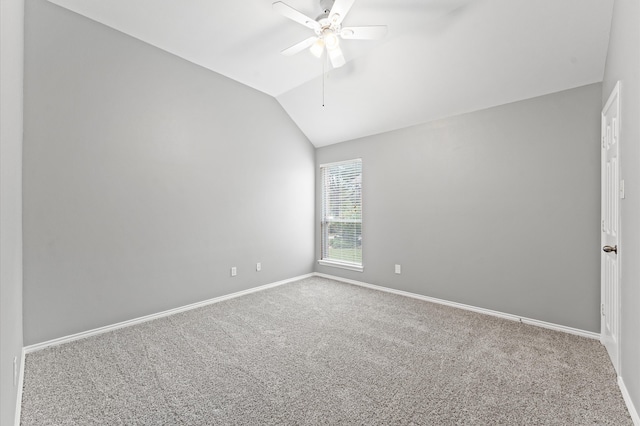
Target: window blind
x,y
342,212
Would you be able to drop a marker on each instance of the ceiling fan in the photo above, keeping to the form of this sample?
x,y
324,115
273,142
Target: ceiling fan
x,y
329,30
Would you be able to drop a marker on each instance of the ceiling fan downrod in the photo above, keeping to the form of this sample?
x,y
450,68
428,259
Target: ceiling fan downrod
x,y
326,6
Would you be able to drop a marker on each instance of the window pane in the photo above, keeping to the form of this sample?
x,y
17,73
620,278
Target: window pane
x,y
342,212
345,241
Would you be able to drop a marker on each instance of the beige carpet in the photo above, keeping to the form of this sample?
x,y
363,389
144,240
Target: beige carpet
x,y
322,352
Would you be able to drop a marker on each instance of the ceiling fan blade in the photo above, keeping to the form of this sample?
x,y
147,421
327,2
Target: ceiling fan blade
x,y
373,32
299,47
289,12
336,57
339,11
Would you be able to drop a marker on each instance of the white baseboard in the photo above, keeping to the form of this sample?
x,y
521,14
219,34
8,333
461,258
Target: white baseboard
x,y
82,335
105,329
530,321
627,399
18,410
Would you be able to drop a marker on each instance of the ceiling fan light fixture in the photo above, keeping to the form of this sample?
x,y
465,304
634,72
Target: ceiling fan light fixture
x,y
317,48
330,39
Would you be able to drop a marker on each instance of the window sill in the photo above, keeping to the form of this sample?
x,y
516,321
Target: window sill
x,y
348,266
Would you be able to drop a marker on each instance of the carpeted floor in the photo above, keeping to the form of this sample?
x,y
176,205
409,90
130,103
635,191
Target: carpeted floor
x,y
322,352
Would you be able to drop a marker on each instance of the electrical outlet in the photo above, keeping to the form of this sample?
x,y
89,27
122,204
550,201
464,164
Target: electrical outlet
x,y
398,269
258,266
15,371
234,271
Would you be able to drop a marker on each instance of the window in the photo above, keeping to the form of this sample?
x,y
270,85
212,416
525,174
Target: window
x,y
342,214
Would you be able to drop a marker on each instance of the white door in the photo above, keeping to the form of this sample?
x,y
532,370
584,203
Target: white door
x,y
612,190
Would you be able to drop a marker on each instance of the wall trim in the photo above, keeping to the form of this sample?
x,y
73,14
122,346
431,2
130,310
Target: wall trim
x,y
84,334
524,320
627,399
18,409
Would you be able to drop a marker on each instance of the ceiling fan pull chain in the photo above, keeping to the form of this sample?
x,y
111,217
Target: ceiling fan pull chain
x,y
323,83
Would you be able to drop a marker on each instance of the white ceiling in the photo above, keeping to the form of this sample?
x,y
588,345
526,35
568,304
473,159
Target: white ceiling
x,y
440,58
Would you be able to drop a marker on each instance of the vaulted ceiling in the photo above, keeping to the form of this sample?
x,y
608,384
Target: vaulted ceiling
x,y
440,57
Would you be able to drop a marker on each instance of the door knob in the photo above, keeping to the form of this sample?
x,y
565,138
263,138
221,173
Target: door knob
x,y
609,249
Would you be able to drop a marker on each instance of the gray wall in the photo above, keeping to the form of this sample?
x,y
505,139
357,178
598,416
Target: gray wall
x,y
146,178
623,63
11,78
497,208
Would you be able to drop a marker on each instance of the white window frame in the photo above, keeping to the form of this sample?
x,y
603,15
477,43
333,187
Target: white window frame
x,y
326,220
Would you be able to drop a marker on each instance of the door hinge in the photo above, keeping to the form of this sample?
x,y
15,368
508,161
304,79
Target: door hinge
x,y
622,189
602,225
603,144
602,309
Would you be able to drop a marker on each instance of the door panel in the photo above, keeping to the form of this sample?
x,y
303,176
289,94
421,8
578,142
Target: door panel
x,y
610,215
